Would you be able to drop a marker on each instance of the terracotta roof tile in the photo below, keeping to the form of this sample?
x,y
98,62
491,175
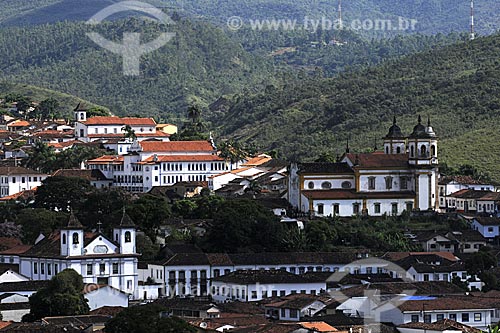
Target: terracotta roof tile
x,y
107,159
177,146
441,303
120,121
379,160
92,174
183,158
122,135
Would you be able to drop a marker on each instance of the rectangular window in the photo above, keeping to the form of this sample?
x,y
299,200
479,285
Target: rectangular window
x,y
355,209
439,316
283,313
293,313
35,268
388,183
336,209
115,268
56,268
465,317
102,269
394,209
404,183
216,273
49,269
377,208
414,319
90,270
427,318
23,179
478,317
453,316
254,295
129,284
42,268
321,209
371,183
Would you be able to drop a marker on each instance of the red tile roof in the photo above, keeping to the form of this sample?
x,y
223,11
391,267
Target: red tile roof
x,y
379,160
19,123
442,303
7,243
120,121
442,325
396,256
52,134
107,159
122,135
177,146
183,158
4,324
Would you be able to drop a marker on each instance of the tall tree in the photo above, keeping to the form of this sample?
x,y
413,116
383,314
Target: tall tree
x,y
48,108
62,193
41,157
62,297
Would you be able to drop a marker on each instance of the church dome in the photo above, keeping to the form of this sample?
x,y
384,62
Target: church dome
x,y
394,131
419,131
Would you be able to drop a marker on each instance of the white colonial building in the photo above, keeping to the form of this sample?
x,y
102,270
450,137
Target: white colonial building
x,y
402,178
98,259
155,163
18,179
106,128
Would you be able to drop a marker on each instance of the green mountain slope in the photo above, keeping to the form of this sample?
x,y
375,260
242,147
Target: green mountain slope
x,y
432,15
200,63
457,86
67,102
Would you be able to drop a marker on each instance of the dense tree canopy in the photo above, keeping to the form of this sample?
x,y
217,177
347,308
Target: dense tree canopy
x,y
62,297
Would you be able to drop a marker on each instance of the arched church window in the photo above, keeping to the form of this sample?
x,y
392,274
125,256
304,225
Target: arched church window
x,y
310,185
387,150
76,239
412,151
433,150
423,151
64,238
128,237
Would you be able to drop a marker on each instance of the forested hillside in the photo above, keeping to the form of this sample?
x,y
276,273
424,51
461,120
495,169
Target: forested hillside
x,y
458,86
198,66
67,102
433,16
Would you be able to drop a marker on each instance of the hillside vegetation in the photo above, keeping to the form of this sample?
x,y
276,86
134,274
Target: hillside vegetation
x,y
199,65
458,86
433,16
67,102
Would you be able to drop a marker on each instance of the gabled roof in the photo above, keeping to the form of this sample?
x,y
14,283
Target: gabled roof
x,y
442,325
488,221
441,303
470,194
7,171
177,146
464,180
394,288
93,174
120,121
106,159
182,158
378,160
325,168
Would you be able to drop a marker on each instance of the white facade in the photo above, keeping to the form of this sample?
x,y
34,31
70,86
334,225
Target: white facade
x,y
11,276
17,179
253,292
489,229
106,296
98,260
153,164
479,317
402,178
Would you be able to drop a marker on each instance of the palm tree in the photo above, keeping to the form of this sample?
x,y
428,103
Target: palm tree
x,y
41,157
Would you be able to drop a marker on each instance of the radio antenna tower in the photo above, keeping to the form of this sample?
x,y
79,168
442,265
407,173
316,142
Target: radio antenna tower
x,y
341,25
472,32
